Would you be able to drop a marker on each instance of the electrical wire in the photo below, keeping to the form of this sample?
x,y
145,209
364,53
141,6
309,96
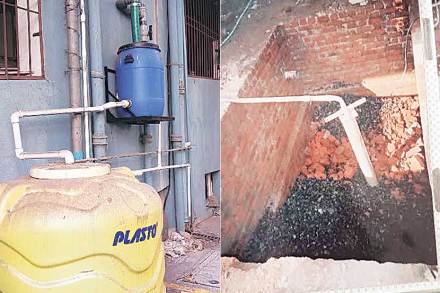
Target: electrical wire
x,y
128,155
237,23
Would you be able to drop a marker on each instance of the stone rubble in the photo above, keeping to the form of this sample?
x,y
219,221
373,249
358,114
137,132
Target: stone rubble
x,y
395,147
402,133
328,157
180,244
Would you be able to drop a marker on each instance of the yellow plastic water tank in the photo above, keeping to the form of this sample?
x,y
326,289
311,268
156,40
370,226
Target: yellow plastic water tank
x,y
91,229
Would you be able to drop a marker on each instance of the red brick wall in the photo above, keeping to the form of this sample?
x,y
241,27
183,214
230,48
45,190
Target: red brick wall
x,y
262,152
334,51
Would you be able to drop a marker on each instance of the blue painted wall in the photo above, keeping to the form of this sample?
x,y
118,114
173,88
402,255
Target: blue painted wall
x,y
53,133
204,133
39,133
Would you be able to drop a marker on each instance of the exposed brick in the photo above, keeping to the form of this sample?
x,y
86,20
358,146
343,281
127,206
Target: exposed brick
x,y
255,147
347,40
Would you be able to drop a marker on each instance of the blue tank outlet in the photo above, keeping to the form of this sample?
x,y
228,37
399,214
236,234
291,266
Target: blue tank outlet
x,y
140,79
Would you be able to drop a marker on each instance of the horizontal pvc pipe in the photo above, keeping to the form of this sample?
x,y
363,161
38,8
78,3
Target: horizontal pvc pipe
x,y
291,99
19,114
347,116
64,154
159,168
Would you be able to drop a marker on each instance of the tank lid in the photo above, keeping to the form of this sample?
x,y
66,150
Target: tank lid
x,y
70,171
138,45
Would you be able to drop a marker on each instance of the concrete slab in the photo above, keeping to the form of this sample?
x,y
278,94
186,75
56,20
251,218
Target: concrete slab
x,y
403,84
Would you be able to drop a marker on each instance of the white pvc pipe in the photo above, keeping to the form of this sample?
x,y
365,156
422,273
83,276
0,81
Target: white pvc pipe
x,y
188,192
188,178
64,154
291,99
157,168
159,145
85,79
347,116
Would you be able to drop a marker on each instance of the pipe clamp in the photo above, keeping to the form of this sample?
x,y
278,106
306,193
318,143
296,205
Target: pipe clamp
x,y
99,139
176,138
97,74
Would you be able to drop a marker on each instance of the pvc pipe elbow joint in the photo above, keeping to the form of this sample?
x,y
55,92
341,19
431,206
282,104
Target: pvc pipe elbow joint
x,y
68,156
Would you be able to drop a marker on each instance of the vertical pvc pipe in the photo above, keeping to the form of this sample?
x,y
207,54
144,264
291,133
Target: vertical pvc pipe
x,y
135,21
85,78
99,139
176,80
357,144
159,145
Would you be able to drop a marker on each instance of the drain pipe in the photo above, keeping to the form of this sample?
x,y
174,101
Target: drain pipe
x,y
99,138
346,114
176,70
184,94
144,31
85,79
71,7
65,154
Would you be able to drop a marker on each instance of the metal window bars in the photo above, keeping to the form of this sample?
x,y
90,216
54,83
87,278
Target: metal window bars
x,y
21,46
203,35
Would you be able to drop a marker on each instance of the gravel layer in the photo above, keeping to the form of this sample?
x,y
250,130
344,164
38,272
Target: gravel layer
x,y
347,220
369,117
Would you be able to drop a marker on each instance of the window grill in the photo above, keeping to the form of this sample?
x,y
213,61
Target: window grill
x,y
203,34
21,46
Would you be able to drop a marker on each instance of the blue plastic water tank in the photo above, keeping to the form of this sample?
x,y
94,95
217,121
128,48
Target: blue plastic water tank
x,y
140,79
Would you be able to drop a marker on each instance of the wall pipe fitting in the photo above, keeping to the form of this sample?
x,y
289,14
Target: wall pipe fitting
x,y
71,8
122,5
347,115
65,154
132,8
99,138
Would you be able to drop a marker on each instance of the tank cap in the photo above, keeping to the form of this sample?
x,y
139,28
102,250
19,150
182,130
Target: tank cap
x,y
138,45
69,171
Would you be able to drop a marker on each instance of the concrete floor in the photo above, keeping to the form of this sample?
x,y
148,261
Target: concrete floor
x,y
197,271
